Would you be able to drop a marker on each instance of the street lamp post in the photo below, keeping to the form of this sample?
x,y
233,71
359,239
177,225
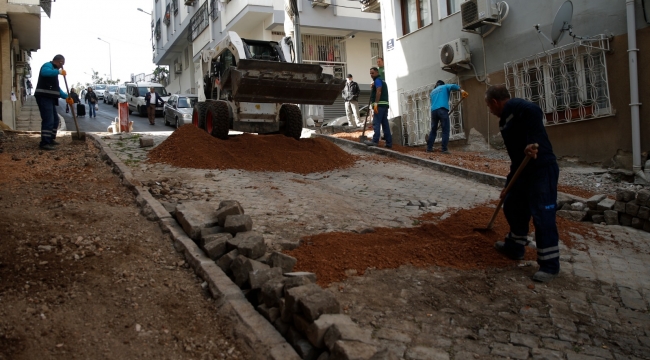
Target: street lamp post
x,y
144,11
110,60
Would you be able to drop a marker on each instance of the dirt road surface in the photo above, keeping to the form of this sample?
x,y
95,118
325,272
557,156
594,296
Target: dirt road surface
x,y
83,275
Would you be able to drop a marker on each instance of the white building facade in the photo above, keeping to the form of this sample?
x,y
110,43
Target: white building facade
x,y
335,34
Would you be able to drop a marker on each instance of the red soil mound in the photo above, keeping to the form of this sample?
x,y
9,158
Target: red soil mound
x,y
190,147
450,243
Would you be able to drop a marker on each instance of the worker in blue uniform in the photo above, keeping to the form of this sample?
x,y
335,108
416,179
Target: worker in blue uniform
x,y
47,96
440,113
534,194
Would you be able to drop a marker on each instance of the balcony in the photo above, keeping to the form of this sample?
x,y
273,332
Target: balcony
x,y
26,24
370,6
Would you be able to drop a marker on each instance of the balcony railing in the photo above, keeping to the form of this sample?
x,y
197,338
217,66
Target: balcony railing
x,y
168,15
198,23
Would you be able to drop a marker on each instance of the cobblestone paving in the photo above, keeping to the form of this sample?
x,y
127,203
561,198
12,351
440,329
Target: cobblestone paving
x,y
597,308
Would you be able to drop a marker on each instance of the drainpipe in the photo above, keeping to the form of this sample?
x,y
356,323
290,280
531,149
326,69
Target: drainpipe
x,y
634,92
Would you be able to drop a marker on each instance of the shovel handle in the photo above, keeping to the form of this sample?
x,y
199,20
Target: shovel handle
x,y
363,134
72,109
520,169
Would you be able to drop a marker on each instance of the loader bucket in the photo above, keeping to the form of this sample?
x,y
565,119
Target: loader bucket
x,y
278,82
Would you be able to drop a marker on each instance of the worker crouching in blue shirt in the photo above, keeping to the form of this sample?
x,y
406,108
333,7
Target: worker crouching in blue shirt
x,y
534,194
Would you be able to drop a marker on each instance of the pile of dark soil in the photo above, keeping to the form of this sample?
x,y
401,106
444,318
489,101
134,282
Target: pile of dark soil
x,y
448,243
190,147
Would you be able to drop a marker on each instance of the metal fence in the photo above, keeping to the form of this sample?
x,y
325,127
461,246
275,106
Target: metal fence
x,y
416,115
198,22
568,83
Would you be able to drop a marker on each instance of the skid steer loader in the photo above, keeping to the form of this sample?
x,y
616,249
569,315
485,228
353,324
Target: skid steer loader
x,y
252,86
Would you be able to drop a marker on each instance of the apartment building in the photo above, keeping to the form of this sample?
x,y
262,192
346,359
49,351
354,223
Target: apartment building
x,y
581,83
335,34
20,34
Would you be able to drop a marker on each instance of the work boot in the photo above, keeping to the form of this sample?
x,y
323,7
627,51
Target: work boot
x,y
446,152
429,150
541,276
48,147
54,142
500,246
370,143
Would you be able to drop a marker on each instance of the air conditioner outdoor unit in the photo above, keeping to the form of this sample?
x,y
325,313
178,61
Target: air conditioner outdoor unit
x,y
475,12
323,3
178,68
454,54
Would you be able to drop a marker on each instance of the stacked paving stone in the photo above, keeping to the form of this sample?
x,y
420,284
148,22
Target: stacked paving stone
x,y
629,209
304,313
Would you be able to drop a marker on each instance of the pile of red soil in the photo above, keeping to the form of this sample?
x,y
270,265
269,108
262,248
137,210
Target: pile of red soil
x,y
452,242
190,147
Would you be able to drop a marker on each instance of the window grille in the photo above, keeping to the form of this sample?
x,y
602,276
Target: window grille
x,y
157,29
568,83
175,6
198,23
325,51
214,10
376,51
416,115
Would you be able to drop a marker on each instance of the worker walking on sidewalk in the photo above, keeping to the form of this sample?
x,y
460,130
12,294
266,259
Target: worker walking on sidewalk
x,y
379,99
535,192
440,114
47,96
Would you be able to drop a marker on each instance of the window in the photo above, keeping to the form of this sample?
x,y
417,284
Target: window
x,y
376,51
448,7
214,10
187,57
415,14
569,84
198,23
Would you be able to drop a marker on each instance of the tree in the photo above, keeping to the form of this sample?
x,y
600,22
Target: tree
x,y
160,75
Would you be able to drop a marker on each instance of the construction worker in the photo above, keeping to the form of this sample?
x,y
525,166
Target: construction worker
x,y
47,94
379,99
440,113
534,194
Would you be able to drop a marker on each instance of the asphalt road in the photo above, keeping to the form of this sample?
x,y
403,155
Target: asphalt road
x,y
105,115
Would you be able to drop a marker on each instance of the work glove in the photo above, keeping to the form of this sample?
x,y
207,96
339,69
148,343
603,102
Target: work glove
x,y
464,93
62,72
69,101
374,108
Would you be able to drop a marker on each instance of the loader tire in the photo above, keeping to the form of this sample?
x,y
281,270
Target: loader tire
x,y
217,119
291,117
198,115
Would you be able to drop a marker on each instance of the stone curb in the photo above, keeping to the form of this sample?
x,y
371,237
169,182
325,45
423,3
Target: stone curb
x,y
484,178
248,325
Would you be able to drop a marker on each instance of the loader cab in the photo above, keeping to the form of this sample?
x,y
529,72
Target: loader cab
x,y
263,50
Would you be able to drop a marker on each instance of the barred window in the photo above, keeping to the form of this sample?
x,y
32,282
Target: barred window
x,y
569,84
198,23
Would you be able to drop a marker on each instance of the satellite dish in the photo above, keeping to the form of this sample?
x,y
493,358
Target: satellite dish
x,y
562,22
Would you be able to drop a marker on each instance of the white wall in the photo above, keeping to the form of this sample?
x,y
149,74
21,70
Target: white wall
x,y
359,56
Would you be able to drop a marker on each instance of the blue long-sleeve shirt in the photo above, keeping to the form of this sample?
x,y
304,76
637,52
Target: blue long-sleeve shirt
x,y
440,96
49,70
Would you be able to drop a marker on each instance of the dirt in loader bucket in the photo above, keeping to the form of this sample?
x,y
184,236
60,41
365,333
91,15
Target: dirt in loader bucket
x,y
279,82
190,147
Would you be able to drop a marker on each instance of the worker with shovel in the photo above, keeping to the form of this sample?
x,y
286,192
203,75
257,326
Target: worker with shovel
x,y
440,113
534,192
47,96
379,99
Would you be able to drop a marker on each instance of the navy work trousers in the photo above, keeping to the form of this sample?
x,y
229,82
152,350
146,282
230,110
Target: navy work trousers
x,y
535,195
380,122
49,118
440,115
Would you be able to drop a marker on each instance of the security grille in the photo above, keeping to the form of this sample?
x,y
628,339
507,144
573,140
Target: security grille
x,y
568,83
214,10
376,51
416,115
175,6
327,51
198,22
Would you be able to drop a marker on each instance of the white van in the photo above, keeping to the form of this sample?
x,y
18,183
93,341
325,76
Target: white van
x,y
135,93
100,90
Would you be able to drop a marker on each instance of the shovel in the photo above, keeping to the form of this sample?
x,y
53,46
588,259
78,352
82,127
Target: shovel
x,y
363,136
81,136
490,225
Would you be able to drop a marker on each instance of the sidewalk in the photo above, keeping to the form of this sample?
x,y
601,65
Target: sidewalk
x,y
29,118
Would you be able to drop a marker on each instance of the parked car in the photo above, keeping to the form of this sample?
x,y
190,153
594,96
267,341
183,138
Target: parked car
x,y
100,90
135,93
178,109
343,120
108,94
119,96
